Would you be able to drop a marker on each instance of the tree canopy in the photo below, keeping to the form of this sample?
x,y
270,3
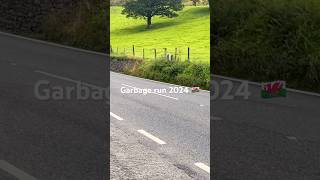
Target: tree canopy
x,y
149,8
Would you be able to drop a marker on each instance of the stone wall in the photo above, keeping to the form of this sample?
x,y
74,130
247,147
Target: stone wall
x,y
26,16
122,64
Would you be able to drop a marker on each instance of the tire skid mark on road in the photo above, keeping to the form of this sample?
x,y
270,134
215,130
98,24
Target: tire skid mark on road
x,y
203,167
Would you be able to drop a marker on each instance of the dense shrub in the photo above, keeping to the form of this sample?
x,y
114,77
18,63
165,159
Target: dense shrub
x,y
176,72
85,26
268,40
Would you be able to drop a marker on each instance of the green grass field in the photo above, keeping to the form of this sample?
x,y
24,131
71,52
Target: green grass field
x,y
190,29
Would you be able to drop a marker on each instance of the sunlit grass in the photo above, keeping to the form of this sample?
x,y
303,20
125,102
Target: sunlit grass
x,y
190,29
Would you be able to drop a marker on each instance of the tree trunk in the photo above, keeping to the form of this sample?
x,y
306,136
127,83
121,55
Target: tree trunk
x,y
149,22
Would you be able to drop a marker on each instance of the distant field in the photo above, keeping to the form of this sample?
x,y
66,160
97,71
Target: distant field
x,y
190,29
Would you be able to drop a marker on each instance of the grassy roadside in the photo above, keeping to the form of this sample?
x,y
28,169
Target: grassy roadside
x,y
175,72
268,40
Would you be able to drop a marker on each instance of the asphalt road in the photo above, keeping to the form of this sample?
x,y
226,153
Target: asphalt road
x,y
49,132
180,123
50,139
265,139
153,136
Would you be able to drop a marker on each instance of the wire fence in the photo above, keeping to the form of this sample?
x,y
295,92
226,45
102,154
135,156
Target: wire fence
x,y
171,54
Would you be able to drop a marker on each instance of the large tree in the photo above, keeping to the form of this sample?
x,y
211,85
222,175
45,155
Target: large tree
x,y
148,8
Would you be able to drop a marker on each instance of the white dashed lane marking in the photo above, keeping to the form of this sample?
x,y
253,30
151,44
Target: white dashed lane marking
x,y
203,167
292,138
150,136
217,118
69,79
116,116
5,166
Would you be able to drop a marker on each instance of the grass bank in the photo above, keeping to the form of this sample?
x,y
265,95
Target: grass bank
x,y
190,29
175,72
268,40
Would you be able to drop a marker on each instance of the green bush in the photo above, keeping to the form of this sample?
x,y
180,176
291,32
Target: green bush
x,y
268,40
85,27
176,72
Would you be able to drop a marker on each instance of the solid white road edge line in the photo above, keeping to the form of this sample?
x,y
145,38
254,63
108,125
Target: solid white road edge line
x,y
203,167
53,44
5,166
116,116
152,92
159,82
150,136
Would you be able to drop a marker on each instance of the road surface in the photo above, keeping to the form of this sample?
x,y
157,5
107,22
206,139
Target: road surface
x,y
52,139
48,134
169,132
265,139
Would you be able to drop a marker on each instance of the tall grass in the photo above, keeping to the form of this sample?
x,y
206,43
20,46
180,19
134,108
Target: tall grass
x,y
267,40
176,72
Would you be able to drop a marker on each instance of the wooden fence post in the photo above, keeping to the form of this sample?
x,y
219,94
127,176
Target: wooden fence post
x,y
142,53
155,54
133,50
175,54
188,54
165,52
